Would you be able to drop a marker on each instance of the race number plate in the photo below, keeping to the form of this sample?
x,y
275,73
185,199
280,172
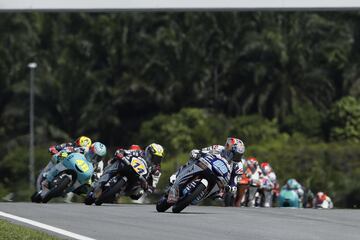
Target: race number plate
x,y
82,165
138,166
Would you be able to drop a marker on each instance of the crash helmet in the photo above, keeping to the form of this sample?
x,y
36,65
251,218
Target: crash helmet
x,y
96,152
154,153
135,147
320,196
83,141
292,184
266,168
252,163
234,149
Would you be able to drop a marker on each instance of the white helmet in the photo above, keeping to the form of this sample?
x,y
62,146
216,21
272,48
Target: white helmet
x,y
96,152
234,149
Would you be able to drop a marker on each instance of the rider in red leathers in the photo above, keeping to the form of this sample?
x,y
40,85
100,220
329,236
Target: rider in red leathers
x,y
268,183
255,174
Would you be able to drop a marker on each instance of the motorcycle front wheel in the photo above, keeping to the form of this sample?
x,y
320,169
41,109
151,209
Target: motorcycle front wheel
x,y
162,205
58,189
110,192
89,199
183,203
36,198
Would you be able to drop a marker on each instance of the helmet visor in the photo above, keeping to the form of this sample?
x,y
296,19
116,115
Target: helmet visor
x,y
156,159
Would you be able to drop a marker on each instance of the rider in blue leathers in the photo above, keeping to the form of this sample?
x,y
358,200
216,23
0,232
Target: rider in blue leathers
x,y
232,152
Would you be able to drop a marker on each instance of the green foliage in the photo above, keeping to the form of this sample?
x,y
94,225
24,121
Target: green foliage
x,y
344,118
305,119
183,131
254,129
15,172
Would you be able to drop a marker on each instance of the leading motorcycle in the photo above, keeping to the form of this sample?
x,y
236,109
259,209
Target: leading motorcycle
x,y
204,178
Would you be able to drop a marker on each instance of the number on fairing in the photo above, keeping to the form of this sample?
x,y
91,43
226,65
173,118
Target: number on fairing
x,y
82,165
221,166
138,166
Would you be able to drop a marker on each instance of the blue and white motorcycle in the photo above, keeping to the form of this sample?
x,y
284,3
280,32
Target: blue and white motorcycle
x,y
202,179
69,175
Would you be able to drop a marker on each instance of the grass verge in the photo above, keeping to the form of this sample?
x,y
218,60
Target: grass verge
x,y
10,231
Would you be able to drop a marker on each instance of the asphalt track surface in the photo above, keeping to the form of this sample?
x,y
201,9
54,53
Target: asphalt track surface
x,y
143,222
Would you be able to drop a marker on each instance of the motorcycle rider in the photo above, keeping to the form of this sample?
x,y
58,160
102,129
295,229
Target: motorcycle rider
x,y
121,149
153,155
94,154
61,151
82,141
322,201
268,182
135,147
232,153
243,185
81,145
292,184
255,174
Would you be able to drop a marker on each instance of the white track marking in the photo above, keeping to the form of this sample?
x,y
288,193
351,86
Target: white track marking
x,y
46,227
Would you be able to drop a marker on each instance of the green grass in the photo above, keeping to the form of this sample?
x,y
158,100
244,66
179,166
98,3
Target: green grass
x,y
9,231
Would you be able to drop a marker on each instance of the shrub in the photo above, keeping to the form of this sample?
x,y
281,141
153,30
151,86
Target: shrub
x,y
344,120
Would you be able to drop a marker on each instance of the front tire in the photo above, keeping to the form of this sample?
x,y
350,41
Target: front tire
x,y
162,205
110,192
36,198
58,189
183,203
229,199
89,198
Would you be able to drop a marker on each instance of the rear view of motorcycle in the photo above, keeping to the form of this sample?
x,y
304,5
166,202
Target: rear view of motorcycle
x,y
202,179
289,198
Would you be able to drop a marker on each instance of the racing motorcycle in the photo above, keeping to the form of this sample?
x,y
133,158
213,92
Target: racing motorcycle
x,y
132,173
289,198
70,175
204,178
263,196
322,203
252,192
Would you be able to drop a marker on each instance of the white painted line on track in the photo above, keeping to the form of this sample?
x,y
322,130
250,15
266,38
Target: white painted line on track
x,y
45,226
